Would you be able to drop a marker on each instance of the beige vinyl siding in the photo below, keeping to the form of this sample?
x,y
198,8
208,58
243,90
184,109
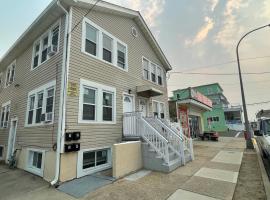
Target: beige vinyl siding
x,y
89,68
40,136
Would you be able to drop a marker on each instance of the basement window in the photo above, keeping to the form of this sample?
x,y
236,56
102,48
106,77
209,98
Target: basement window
x,y
95,158
36,161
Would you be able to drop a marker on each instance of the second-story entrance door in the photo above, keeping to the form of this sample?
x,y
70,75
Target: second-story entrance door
x,y
143,107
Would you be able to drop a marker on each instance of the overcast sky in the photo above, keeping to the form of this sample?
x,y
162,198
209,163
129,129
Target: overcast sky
x,y
193,34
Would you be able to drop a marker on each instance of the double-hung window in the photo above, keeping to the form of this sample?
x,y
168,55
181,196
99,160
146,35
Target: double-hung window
x,y
91,38
40,106
159,109
5,112
107,48
46,45
89,104
97,103
159,76
121,56
102,45
10,75
145,69
152,72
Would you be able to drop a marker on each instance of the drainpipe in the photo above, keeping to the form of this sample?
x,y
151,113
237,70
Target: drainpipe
x,y
61,120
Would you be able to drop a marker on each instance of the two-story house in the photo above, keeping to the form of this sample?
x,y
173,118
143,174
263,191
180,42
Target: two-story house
x,y
67,81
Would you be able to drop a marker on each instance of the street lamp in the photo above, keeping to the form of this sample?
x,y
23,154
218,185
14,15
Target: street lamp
x,y
249,144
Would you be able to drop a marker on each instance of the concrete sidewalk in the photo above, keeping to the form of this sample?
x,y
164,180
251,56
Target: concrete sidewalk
x,y
212,175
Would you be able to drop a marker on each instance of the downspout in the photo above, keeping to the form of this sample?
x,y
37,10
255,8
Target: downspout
x,y
62,104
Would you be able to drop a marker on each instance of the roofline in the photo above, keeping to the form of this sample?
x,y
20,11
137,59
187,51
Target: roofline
x,y
28,29
101,3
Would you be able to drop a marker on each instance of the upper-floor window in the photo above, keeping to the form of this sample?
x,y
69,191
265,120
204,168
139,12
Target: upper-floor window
x,y
40,105
5,112
158,109
10,74
102,45
97,103
46,46
152,72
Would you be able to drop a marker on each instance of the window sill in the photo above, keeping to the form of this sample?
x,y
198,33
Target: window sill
x,y
95,122
104,61
36,125
35,171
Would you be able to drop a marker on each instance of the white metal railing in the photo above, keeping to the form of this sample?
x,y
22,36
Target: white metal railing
x,y
135,125
188,143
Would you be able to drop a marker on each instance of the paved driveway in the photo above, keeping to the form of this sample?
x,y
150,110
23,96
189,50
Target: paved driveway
x,y
195,178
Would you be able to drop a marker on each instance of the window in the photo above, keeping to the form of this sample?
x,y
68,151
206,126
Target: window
x,y
209,91
91,40
159,76
107,106
107,48
152,72
41,105
5,113
159,109
145,69
102,45
97,103
93,160
89,104
121,56
10,75
35,161
45,44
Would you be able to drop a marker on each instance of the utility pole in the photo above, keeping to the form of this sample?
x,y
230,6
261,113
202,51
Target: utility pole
x,y
249,144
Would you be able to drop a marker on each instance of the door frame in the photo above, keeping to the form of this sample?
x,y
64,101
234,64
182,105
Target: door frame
x,y
15,119
134,100
147,100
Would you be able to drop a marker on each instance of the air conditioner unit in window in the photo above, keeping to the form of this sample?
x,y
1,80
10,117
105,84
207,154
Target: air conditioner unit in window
x,y
48,117
52,50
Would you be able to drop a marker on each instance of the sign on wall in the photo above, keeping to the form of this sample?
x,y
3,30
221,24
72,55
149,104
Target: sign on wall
x,y
73,89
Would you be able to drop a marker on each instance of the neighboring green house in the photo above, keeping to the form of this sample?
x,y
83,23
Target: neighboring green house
x,y
215,119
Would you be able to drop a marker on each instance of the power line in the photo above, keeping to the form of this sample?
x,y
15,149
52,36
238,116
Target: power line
x,y
224,63
219,74
257,103
90,9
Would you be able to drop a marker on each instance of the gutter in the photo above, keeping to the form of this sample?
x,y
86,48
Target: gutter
x,y
62,104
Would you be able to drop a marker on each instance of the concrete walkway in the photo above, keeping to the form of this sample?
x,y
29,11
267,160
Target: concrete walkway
x,y
212,175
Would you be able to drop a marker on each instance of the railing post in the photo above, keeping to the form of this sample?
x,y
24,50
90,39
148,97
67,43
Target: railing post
x,y
191,148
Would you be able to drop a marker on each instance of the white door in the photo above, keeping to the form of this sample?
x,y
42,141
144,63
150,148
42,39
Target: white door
x,y
12,138
128,103
143,106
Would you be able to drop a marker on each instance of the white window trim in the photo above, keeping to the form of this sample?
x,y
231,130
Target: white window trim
x,y
150,71
8,103
3,147
99,102
99,45
7,84
39,40
35,92
159,102
83,172
29,167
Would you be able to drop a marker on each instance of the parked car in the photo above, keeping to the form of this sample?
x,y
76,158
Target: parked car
x,y
210,135
263,136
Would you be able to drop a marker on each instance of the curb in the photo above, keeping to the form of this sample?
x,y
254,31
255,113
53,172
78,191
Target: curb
x,y
265,179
